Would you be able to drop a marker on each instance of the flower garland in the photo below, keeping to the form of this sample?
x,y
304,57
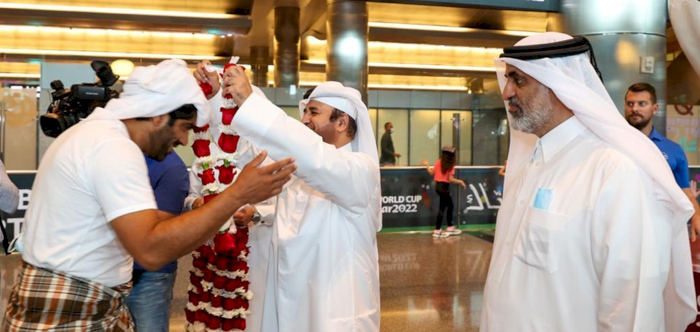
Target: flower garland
x,y
218,294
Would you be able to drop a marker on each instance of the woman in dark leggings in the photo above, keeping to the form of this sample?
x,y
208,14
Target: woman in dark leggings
x,y
443,173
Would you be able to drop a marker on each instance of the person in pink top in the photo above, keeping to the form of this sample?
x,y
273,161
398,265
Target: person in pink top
x,y
443,173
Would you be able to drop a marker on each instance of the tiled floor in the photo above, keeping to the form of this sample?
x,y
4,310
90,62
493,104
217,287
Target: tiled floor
x,y
427,284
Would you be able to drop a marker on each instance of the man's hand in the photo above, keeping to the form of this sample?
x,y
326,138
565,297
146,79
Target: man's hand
x,y
243,216
256,184
694,227
694,188
197,203
236,83
211,77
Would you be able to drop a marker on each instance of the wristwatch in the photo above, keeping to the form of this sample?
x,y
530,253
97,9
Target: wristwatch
x,y
256,217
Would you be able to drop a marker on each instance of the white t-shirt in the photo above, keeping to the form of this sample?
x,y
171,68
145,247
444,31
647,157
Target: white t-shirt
x,y
92,174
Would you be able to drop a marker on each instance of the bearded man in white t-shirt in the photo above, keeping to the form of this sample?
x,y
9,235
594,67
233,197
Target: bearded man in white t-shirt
x,y
93,211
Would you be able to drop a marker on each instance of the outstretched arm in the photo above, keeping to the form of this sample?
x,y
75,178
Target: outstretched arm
x,y
154,242
427,166
457,181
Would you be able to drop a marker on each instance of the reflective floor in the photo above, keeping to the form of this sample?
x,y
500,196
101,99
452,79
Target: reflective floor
x,y
427,284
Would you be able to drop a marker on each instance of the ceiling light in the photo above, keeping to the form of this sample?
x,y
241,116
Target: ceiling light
x,y
442,28
416,66
393,86
122,67
135,33
110,54
19,75
120,11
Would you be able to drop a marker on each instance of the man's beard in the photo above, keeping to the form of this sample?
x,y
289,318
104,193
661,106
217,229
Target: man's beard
x,y
531,117
161,142
639,124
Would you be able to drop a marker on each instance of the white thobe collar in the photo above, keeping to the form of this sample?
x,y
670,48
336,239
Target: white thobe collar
x,y
556,139
346,147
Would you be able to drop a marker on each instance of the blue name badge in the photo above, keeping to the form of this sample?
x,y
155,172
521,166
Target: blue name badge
x,y
543,199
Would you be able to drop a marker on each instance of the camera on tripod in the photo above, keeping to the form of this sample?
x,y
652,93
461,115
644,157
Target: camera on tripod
x,y
70,106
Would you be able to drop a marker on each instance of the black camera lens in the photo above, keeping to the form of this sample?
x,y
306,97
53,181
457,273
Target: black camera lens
x,y
104,72
52,125
57,85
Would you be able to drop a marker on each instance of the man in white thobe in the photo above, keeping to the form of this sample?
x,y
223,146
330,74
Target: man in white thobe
x,y
323,269
592,233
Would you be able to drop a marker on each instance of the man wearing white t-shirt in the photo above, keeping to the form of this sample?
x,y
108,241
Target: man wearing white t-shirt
x,y
93,211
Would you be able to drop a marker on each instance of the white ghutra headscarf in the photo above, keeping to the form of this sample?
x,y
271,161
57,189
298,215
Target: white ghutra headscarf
x,y
348,100
574,81
156,90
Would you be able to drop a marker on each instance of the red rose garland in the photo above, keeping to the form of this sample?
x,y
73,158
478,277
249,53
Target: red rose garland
x,y
219,293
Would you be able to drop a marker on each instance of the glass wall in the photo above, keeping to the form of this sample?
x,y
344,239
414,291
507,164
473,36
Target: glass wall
x,y
18,127
424,139
465,134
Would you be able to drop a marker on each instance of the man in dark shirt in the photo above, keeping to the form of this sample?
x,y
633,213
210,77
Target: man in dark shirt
x,y
149,301
389,156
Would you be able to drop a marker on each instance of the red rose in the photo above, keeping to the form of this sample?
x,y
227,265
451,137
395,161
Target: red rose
x,y
204,297
227,325
207,176
232,284
209,197
194,279
219,281
239,302
193,298
207,89
236,265
201,316
229,304
226,173
199,263
191,316
221,263
243,243
201,148
205,250
213,322
228,143
224,242
227,115
208,275
211,258
239,323
200,129
217,301
242,235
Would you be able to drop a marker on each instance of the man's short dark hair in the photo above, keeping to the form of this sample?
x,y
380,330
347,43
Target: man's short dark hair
x,y
308,93
352,125
641,87
185,112
386,125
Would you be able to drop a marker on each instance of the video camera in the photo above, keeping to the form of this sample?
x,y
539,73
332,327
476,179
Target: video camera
x,y
70,106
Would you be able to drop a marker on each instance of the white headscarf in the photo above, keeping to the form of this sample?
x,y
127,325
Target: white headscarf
x,y
156,90
575,82
348,100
